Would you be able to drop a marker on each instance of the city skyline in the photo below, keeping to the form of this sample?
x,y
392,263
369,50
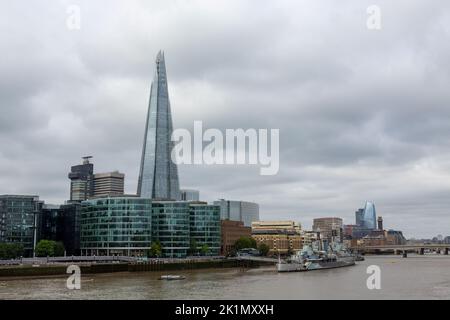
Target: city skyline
x,y
350,130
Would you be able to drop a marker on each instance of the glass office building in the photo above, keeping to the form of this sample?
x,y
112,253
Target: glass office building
x,y
19,220
158,175
244,211
205,226
368,216
129,225
170,226
116,226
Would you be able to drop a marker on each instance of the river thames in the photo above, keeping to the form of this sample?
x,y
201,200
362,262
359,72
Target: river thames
x,y
416,277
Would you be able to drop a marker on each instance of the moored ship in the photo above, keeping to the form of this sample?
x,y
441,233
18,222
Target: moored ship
x,y
309,259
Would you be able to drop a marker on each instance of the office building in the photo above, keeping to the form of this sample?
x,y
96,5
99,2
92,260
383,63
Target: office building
x,y
19,220
158,175
171,227
61,223
128,225
330,229
116,226
205,227
82,180
244,211
282,237
231,232
49,223
366,217
190,195
108,184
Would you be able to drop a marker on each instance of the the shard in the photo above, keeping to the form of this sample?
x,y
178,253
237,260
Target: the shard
x,y
158,176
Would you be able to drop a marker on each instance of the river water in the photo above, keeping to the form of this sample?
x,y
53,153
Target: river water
x,y
416,277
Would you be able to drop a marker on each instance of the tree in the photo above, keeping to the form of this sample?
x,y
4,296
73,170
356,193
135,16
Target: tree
x,y
204,250
155,249
245,242
10,250
264,249
193,247
45,248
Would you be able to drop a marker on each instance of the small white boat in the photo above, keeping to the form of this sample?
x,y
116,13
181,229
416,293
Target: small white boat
x,y
172,277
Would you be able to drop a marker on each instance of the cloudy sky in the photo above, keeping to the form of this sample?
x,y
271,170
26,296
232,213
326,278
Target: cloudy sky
x,y
363,114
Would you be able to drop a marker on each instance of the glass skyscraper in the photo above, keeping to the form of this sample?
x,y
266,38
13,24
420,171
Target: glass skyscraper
x,y
366,217
158,176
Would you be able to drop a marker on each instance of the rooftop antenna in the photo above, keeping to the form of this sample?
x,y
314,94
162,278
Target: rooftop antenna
x,y
86,159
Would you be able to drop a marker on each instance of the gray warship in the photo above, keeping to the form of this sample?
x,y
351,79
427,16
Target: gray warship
x,y
310,259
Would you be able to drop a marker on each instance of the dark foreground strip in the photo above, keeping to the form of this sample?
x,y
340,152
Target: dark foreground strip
x,y
204,309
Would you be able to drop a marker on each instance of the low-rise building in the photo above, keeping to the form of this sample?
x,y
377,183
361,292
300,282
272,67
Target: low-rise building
x,y
231,232
282,237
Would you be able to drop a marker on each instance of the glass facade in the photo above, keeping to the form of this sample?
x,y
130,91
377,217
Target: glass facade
x,y
171,227
129,225
18,219
244,211
112,226
369,217
205,227
158,176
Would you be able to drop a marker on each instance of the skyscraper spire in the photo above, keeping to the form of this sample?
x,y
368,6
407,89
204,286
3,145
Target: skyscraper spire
x,y
158,176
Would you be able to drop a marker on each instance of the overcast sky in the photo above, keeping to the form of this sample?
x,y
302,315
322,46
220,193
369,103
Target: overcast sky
x,y
363,114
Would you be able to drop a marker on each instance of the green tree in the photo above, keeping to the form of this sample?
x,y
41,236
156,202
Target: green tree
x,y
193,248
45,248
10,250
155,249
245,242
264,249
204,250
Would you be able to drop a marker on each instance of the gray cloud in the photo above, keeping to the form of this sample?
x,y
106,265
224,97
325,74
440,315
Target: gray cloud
x,y
362,114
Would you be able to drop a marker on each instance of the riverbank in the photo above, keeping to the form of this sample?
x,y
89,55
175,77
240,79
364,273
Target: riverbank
x,y
19,271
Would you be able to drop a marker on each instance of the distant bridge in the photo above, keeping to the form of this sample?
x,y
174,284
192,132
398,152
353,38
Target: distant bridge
x,y
419,248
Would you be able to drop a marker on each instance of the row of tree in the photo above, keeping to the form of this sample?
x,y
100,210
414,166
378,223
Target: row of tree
x,y
44,248
49,248
155,250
